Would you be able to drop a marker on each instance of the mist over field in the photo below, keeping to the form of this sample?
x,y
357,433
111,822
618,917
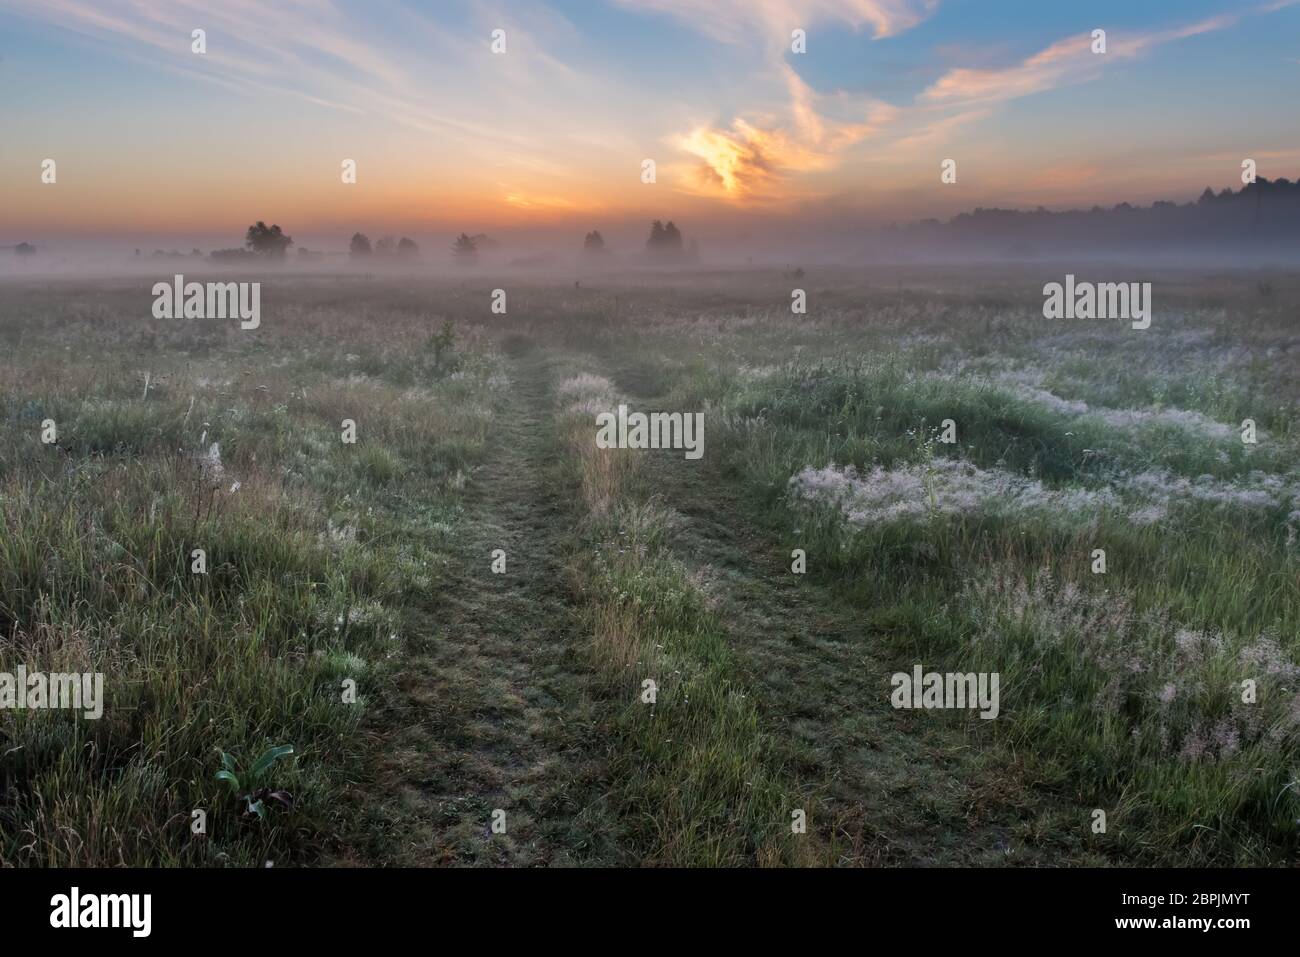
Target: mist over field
x,y
427,442
1259,226
419,564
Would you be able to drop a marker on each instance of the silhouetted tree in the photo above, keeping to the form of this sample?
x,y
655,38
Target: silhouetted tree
x,y
594,242
664,238
407,249
359,246
267,240
236,254
465,245
1265,212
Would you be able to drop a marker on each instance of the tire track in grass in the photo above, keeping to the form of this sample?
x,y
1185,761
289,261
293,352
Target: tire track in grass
x,y
690,775
887,787
492,708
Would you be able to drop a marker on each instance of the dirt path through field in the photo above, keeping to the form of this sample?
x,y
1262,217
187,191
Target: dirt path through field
x,y
890,787
492,713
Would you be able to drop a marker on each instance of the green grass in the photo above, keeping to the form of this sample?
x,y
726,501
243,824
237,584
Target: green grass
x,y
331,561
1200,778
313,564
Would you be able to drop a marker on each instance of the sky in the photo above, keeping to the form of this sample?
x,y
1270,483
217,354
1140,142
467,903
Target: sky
x,y
152,138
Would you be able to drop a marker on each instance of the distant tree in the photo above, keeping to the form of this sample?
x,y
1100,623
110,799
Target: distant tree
x,y
267,240
359,246
664,238
465,245
231,255
594,242
407,249
386,246
24,249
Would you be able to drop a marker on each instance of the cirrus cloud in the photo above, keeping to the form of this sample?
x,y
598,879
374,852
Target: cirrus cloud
x,y
753,160
732,21
1069,60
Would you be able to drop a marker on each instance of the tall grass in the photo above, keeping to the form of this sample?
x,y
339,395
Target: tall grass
x,y
691,767
316,552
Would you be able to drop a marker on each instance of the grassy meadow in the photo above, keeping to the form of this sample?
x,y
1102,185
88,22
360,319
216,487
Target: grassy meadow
x,y
453,618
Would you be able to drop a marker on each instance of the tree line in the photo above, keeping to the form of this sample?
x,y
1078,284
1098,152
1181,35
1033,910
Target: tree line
x,y
272,243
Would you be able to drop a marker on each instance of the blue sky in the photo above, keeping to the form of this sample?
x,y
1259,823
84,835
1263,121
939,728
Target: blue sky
x,y
150,135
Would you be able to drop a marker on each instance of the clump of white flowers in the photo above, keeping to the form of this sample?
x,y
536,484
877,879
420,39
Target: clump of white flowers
x,y
944,486
940,486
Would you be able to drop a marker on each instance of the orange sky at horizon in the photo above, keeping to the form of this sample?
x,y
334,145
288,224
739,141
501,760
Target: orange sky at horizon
x,y
150,138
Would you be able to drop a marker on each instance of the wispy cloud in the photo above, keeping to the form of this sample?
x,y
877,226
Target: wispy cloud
x,y
929,133
735,21
533,202
559,126
321,53
1066,61
752,161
